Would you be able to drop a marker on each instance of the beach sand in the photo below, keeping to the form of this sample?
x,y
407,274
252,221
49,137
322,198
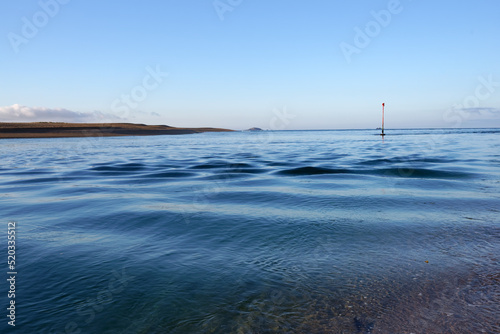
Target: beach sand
x,y
61,130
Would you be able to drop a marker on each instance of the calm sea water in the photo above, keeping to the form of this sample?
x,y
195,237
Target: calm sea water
x,y
269,232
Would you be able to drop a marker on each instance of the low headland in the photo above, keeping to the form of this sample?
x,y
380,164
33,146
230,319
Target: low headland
x,y
62,130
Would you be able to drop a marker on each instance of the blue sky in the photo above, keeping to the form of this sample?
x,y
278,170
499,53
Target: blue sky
x,y
239,63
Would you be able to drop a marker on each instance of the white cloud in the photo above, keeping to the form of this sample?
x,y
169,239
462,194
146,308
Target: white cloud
x,y
18,113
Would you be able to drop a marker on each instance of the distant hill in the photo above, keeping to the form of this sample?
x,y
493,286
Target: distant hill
x,y
61,130
255,129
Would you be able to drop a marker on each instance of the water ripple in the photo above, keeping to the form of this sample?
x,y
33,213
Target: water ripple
x,y
308,232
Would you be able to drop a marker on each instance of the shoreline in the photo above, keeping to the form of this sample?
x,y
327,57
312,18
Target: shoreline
x,y
69,130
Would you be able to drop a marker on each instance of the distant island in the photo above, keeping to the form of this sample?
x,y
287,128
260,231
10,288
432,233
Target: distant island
x,y
62,130
255,129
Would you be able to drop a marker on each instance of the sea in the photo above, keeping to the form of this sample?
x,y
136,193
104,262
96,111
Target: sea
x,y
341,231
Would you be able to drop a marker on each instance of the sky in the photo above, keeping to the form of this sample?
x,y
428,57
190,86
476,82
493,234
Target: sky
x,y
278,65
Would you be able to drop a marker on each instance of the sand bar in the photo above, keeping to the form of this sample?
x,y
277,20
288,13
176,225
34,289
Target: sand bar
x,y
61,130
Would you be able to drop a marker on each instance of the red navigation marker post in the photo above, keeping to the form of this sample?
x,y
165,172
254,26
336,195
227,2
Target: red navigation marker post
x,y
383,105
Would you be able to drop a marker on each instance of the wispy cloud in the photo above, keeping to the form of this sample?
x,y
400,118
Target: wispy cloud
x,y
18,113
482,111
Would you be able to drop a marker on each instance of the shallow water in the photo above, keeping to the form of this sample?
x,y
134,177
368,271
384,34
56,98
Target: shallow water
x,y
265,232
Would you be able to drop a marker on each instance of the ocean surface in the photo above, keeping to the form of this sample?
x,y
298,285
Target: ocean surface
x,y
255,232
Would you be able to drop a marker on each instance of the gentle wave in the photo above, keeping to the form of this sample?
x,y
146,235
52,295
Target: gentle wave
x,y
307,232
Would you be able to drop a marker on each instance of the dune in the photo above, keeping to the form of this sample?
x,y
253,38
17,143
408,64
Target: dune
x,y
61,130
